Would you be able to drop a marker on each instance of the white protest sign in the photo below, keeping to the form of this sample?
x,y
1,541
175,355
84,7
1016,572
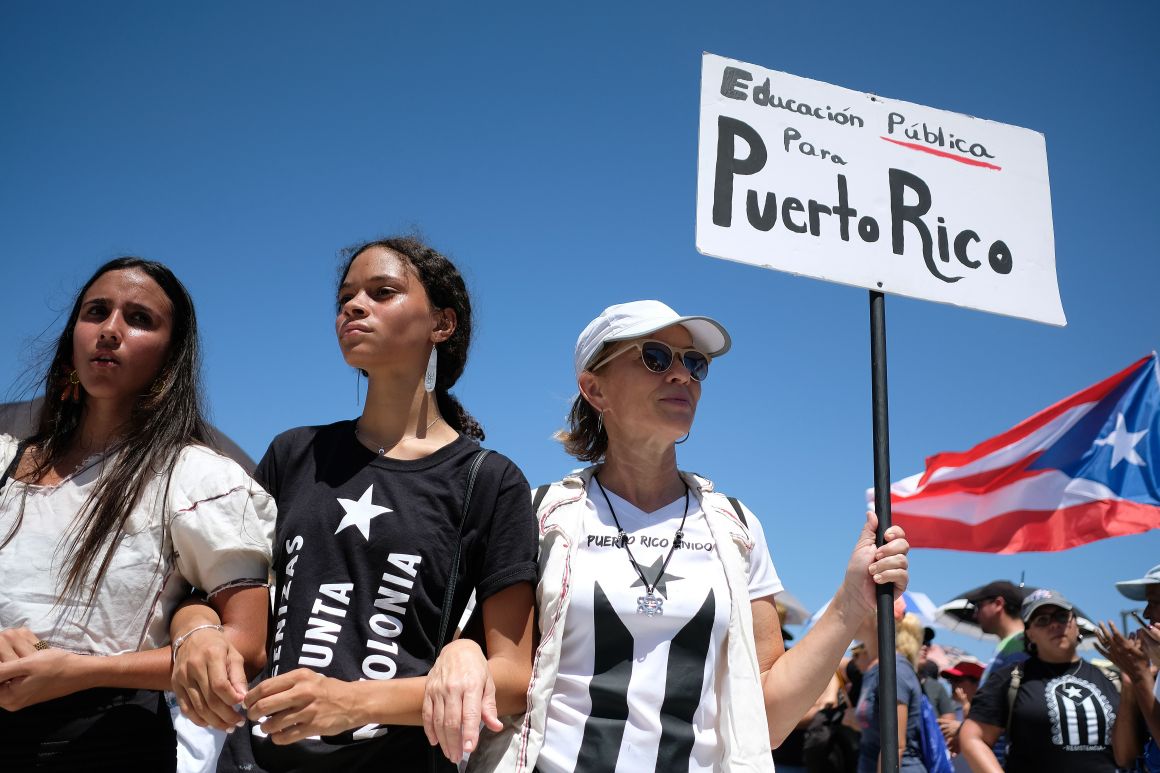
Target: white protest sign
x,y
814,179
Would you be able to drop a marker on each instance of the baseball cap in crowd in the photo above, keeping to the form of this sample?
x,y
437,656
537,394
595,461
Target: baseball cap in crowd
x,y
1005,589
625,321
966,668
1136,589
1043,598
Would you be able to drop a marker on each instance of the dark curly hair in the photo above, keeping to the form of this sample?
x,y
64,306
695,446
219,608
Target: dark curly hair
x,y
163,421
445,290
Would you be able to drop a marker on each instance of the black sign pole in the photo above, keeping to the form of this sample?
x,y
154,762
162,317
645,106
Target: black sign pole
x,y
887,676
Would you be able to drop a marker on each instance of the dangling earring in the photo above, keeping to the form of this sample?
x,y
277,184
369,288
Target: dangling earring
x,y
72,388
599,422
432,366
682,440
357,386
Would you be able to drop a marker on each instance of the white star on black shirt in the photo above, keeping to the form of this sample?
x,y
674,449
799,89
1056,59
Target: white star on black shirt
x,y
359,513
657,580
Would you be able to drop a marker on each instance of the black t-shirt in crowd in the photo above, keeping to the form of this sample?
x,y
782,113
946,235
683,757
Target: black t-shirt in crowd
x,y
362,554
1063,717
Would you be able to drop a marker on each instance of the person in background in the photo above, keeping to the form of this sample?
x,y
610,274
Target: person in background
x,y
963,677
1057,709
996,610
907,642
1138,721
940,699
109,514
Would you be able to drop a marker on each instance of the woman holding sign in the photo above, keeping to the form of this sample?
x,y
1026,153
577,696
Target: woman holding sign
x,y
660,646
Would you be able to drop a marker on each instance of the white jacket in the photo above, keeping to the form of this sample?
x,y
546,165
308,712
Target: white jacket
x,y
743,730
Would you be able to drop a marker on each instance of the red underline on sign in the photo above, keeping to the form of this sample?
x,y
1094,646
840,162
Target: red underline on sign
x,y
942,153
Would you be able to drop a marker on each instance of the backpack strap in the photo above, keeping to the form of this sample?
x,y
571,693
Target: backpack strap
x,y
739,510
453,579
538,497
1012,693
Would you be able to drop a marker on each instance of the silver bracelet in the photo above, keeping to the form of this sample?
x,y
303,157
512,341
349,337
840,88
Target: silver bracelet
x,y
181,639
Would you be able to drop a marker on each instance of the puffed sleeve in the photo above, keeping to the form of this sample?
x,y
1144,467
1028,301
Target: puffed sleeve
x,y
222,522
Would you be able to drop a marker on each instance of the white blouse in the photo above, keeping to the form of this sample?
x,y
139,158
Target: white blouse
x,y
210,527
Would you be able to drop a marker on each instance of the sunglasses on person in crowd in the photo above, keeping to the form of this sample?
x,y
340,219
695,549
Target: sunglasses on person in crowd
x,y
1063,617
658,357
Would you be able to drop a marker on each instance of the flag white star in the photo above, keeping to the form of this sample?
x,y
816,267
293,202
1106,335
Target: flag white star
x,y
360,513
1072,691
1123,443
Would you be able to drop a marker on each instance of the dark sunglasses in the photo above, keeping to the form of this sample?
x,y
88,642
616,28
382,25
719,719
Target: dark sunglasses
x,y
658,357
1063,617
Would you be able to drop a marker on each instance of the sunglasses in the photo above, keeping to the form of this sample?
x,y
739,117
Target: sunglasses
x,y
658,357
1063,617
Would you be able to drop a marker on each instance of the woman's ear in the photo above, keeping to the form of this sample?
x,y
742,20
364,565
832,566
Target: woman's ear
x,y
445,322
591,391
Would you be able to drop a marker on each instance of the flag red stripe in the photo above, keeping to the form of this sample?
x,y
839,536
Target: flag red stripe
x,y
1027,426
981,483
1023,531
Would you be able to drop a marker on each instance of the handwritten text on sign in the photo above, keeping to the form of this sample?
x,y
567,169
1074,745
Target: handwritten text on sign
x,y
822,181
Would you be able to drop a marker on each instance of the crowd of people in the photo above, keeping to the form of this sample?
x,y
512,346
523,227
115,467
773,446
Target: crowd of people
x,y
1036,705
307,618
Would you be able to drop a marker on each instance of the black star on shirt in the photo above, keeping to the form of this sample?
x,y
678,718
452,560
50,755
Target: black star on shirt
x,y
656,579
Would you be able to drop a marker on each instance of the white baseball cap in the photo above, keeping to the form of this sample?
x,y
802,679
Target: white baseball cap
x,y
625,321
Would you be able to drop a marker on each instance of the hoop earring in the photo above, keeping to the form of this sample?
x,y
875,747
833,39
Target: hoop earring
x,y
432,371
357,386
682,440
72,388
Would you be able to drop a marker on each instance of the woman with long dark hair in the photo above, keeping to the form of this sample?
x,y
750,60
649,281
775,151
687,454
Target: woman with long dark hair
x,y
109,513
386,524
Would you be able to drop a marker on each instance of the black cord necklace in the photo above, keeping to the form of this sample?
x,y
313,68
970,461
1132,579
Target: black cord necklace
x,y
649,604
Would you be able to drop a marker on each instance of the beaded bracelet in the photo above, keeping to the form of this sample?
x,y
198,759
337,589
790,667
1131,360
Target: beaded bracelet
x,y
181,639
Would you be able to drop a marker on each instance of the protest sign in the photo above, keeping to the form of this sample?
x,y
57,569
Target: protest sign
x,y
818,180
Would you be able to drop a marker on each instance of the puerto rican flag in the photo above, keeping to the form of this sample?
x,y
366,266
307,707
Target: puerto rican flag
x,y
1082,470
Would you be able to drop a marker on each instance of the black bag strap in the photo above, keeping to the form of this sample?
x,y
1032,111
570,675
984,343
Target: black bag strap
x,y
1012,693
8,473
740,512
453,579
538,497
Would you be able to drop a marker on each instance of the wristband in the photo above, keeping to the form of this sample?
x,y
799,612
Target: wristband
x,y
181,639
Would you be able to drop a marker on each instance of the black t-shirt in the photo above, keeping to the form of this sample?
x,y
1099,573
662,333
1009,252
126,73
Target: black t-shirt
x,y
1063,717
362,554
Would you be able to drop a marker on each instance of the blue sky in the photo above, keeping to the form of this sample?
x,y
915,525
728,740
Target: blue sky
x,y
551,150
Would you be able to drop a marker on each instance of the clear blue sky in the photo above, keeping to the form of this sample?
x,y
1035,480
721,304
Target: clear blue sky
x,y
551,150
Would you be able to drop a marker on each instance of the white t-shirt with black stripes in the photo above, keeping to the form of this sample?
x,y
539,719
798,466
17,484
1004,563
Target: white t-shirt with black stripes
x,y
638,692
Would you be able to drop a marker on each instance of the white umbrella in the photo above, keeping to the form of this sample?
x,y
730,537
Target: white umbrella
x,y
958,615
